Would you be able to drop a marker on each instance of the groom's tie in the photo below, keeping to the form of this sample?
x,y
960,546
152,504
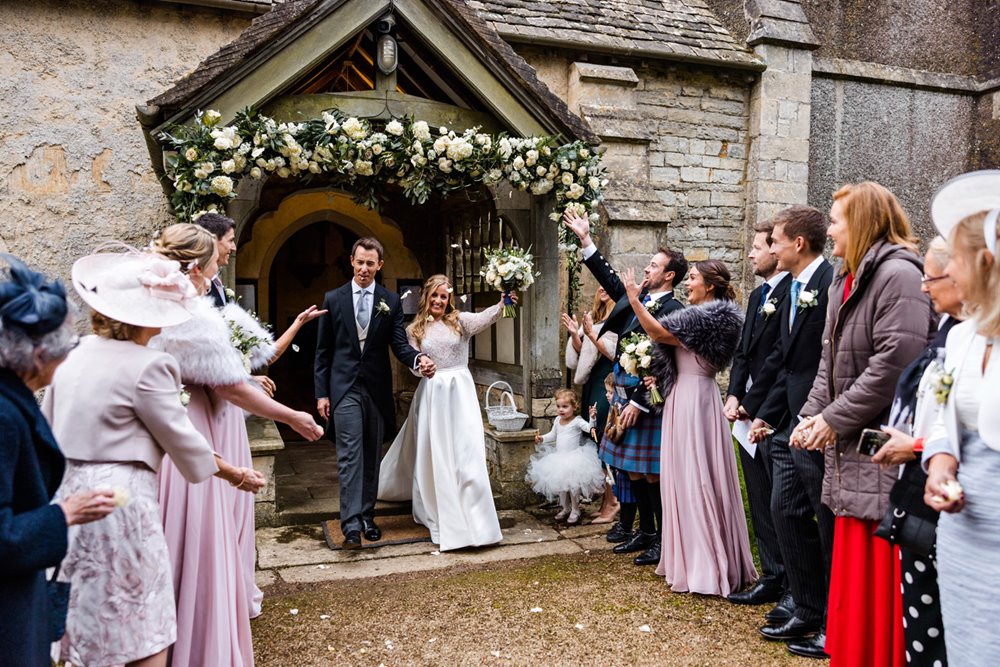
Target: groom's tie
x,y
363,314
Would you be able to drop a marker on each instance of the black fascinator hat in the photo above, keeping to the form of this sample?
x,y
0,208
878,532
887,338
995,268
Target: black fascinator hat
x,y
29,300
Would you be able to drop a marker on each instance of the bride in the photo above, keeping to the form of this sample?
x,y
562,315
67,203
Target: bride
x,y
438,459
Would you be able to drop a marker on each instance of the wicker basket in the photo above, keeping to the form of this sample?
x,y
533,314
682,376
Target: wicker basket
x,y
504,417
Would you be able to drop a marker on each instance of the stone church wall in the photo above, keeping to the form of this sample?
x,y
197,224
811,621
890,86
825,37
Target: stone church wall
x,y
909,140
74,169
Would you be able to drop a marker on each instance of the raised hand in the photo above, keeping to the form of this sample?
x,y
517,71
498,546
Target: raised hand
x,y
309,314
579,226
633,290
571,324
588,325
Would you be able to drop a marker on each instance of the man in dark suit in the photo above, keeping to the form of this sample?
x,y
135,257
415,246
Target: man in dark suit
x,y
761,333
638,454
804,526
353,383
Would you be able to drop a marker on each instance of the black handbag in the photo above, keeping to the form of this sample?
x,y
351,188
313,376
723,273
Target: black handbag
x,y
908,531
58,594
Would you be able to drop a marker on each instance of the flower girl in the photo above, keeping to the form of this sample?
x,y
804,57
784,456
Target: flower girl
x,y
566,464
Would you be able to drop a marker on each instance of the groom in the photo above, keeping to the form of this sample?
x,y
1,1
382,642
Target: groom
x,y
353,383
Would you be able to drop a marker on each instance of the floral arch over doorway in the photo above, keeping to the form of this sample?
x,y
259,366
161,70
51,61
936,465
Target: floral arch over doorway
x,y
207,159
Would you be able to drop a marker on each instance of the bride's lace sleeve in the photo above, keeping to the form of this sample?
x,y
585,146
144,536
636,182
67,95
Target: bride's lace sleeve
x,y
473,323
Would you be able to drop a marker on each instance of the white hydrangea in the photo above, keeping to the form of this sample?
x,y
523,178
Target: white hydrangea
x,y
354,129
421,130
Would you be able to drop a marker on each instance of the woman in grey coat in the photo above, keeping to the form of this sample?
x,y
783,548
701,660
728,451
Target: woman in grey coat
x,y
877,322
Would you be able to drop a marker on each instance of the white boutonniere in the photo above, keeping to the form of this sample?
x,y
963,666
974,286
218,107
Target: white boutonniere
x,y
653,306
382,308
807,299
230,294
185,397
769,308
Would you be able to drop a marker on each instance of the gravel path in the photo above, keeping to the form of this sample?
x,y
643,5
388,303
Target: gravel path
x,y
591,608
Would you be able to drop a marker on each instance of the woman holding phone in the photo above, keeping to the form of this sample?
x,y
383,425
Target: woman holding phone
x,y
877,322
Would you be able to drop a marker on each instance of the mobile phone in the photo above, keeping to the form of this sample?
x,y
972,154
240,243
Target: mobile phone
x,y
872,441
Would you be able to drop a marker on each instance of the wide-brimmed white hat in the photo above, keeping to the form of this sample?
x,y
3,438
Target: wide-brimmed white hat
x,y
967,195
137,288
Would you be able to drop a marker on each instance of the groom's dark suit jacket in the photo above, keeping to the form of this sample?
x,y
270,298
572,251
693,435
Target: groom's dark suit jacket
x,y
339,359
761,334
783,385
622,319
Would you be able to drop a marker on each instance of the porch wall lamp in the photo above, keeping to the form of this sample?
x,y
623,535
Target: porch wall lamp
x,y
386,49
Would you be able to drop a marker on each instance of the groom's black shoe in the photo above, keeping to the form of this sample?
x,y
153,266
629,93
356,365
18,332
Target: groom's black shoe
x,y
352,540
618,533
638,542
782,611
371,532
650,556
759,593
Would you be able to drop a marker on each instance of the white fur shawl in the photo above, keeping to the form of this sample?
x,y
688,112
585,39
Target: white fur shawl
x,y
263,353
202,348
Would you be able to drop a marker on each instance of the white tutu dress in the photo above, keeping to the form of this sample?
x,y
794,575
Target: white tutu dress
x,y
566,461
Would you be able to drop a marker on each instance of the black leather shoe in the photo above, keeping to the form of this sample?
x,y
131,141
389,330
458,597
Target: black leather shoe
x,y
618,533
638,542
810,648
352,540
650,556
371,532
791,629
759,593
783,611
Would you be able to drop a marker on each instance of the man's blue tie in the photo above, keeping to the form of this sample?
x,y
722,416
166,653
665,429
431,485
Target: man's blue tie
x,y
764,290
793,304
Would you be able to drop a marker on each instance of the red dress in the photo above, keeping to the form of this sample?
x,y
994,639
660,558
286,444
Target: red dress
x,y
865,610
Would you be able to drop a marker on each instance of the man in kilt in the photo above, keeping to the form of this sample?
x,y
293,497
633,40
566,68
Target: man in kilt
x,y
636,457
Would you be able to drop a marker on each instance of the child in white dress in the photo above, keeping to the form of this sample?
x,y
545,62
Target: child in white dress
x,y
566,464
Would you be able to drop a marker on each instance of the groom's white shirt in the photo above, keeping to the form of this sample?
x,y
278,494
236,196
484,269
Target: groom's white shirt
x,y
370,292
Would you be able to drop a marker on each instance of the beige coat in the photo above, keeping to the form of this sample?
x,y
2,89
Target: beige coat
x,y
868,340
115,401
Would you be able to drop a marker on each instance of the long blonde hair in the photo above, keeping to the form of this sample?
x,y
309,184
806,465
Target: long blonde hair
x,y
872,214
419,326
601,309
982,300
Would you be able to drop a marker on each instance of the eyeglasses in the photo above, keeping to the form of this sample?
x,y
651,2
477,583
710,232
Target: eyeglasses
x,y
926,280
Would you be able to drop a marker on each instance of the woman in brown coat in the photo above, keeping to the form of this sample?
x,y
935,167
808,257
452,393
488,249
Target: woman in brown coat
x,y
877,322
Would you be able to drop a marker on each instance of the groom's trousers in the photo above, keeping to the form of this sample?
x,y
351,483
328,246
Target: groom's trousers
x,y
360,431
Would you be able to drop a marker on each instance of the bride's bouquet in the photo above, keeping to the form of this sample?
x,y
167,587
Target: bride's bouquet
x,y
637,359
508,270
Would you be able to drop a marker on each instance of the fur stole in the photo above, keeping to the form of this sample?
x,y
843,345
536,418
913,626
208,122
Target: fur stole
x,y
711,331
202,348
260,354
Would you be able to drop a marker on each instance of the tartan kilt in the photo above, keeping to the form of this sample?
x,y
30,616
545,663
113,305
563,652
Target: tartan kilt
x,y
639,450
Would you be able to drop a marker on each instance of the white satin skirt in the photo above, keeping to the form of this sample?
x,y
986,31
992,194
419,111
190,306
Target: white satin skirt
x,y
438,461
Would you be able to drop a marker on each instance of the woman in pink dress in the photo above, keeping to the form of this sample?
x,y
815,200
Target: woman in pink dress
x,y
706,548
204,524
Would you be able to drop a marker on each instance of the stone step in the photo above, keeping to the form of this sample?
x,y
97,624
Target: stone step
x,y
307,487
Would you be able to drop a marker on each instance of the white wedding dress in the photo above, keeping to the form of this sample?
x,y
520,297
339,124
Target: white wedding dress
x,y
438,459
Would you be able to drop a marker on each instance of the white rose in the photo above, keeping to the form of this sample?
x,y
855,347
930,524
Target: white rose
x,y
541,187
584,153
255,172
421,131
314,168
210,118
228,166
191,154
200,174
284,172
769,308
581,172
575,191
630,348
394,127
518,163
593,182
645,361
363,168
354,129
222,185
567,178
444,164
